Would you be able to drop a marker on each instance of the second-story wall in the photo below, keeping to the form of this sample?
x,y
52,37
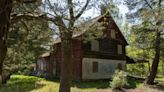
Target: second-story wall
x,y
112,41
105,45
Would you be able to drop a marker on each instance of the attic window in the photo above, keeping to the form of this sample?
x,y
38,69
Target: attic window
x,y
119,49
94,45
113,35
95,67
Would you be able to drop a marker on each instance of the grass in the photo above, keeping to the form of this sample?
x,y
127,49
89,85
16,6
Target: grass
x,y
132,83
160,79
22,83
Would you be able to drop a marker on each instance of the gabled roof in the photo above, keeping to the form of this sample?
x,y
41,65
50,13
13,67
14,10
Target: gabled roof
x,y
119,30
82,28
86,25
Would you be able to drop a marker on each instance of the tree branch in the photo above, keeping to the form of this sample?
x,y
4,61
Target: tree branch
x,y
159,4
148,4
146,30
17,17
25,26
161,32
56,20
82,10
70,7
27,1
52,8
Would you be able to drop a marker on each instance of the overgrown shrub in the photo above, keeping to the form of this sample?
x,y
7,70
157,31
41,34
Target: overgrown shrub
x,y
119,80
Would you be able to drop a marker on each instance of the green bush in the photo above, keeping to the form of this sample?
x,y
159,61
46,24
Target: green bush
x,y
119,80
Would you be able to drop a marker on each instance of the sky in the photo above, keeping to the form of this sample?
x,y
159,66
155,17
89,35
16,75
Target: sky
x,y
123,9
95,12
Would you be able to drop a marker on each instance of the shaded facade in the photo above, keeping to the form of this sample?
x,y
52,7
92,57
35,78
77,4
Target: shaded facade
x,y
94,59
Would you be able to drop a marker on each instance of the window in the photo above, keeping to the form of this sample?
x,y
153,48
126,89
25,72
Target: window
x,y
94,45
41,66
113,35
95,67
119,49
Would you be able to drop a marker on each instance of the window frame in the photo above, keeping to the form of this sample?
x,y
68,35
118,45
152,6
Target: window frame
x,y
95,67
113,34
95,45
120,49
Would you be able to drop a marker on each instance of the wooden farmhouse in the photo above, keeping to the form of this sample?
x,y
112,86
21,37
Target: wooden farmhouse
x,y
97,58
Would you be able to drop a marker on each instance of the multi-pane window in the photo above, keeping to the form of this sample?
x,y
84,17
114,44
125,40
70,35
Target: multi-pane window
x,y
95,67
113,35
119,49
41,66
94,45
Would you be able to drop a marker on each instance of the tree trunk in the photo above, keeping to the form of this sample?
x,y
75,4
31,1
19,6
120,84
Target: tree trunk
x,y
5,10
3,51
154,68
66,65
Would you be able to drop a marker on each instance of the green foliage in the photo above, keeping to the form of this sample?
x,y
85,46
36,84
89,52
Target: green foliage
x,y
93,32
27,37
26,42
119,80
140,69
141,40
143,32
135,83
21,83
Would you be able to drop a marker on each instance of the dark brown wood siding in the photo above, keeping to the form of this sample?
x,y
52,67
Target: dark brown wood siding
x,y
108,46
108,49
77,59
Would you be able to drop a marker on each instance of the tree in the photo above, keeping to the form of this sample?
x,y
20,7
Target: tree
x,y
65,14
5,11
9,15
159,28
65,21
151,12
26,43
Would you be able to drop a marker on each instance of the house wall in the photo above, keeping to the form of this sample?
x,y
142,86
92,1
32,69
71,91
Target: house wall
x,y
38,65
105,48
112,31
42,66
77,58
105,45
58,58
106,68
